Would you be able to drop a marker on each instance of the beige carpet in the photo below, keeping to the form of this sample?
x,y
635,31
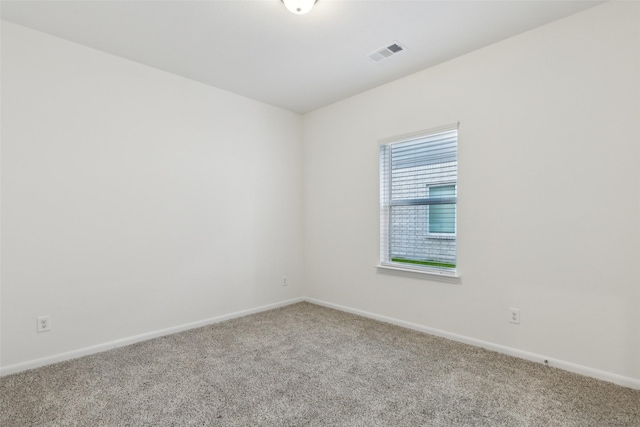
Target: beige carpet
x,y
305,365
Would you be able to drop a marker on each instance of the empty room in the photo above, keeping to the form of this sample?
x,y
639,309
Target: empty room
x,y
320,213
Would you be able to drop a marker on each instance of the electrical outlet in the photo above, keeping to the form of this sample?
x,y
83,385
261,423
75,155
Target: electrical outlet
x,y
284,281
514,315
44,323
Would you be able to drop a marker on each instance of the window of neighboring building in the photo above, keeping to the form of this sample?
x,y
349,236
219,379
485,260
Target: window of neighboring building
x,y
418,198
442,217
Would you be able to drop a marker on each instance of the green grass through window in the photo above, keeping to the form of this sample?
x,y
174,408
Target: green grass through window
x,y
429,263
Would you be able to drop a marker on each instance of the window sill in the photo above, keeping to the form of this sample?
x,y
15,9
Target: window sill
x,y
441,236
420,273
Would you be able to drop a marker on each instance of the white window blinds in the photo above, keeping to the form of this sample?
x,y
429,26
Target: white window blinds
x,y
418,197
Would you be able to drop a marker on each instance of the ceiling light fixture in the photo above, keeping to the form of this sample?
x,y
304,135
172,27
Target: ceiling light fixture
x,y
299,7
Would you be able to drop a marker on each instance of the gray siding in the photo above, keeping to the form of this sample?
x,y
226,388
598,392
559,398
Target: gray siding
x,y
409,237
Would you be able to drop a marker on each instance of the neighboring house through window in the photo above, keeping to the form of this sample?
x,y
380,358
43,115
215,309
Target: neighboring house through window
x,y
418,201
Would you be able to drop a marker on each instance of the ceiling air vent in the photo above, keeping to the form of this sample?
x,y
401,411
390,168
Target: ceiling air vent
x,y
386,52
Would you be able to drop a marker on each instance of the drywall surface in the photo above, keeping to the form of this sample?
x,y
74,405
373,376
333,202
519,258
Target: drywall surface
x,y
548,196
134,200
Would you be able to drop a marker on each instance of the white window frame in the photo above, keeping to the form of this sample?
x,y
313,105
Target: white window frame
x,y
448,274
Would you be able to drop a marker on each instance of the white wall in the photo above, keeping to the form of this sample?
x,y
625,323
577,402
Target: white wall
x,y
134,200
549,192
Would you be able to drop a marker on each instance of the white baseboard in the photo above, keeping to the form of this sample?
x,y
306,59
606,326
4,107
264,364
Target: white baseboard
x,y
567,366
31,364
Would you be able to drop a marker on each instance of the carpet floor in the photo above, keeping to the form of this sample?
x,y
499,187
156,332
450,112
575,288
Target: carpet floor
x,y
306,365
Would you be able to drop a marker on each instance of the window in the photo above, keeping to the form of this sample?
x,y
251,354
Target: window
x,y
442,217
418,198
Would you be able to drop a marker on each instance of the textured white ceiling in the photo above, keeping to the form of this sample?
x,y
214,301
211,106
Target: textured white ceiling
x,y
258,49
